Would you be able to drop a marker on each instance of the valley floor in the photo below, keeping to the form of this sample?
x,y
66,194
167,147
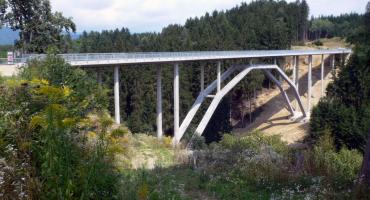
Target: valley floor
x,y
274,118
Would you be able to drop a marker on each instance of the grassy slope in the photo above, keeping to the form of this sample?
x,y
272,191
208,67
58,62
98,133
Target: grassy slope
x,y
250,167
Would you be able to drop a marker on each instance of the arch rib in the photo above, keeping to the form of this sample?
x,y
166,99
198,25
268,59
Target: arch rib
x,y
211,109
282,91
193,110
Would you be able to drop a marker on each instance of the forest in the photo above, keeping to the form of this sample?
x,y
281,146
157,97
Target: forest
x,y
58,139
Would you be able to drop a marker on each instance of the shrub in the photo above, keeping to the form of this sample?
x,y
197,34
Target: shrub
x,y
197,142
254,141
41,137
60,74
289,72
324,160
347,126
318,43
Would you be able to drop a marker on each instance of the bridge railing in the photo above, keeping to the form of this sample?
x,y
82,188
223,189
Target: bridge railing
x,y
189,55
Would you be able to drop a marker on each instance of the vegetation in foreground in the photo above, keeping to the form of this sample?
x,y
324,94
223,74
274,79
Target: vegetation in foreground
x,y
44,128
251,167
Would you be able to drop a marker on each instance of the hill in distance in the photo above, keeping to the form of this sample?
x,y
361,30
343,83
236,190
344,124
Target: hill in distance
x,y
8,36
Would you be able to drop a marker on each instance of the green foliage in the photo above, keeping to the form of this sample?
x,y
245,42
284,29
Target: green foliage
x,y
323,173
348,126
317,43
33,19
41,136
4,50
342,26
346,109
254,141
55,70
324,160
197,142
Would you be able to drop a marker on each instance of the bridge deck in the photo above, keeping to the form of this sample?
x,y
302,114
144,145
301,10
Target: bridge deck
x,y
94,59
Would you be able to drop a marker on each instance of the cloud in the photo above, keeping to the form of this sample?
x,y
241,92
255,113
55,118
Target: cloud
x,y
153,15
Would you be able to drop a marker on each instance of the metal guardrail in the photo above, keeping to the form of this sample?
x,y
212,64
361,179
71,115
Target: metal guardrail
x,y
157,57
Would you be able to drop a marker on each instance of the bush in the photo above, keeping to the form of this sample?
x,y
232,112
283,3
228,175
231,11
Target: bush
x,y
254,141
324,160
347,125
318,43
289,72
42,138
60,74
197,142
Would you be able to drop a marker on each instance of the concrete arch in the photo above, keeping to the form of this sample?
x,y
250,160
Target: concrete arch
x,y
198,102
218,97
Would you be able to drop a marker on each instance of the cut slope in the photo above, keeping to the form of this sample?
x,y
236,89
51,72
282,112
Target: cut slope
x,y
274,119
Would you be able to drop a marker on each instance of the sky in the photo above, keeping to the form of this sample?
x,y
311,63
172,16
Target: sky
x,y
153,15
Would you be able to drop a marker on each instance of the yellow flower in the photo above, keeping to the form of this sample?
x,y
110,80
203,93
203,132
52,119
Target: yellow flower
x,y
39,81
66,91
37,120
91,135
68,122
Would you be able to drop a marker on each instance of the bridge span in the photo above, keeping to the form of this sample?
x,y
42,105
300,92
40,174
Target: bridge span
x,y
117,60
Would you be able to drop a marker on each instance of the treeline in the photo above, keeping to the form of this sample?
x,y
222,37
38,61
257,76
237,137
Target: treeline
x,y
258,25
345,111
334,26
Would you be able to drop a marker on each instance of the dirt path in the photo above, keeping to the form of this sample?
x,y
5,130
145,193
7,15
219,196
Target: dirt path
x,y
274,119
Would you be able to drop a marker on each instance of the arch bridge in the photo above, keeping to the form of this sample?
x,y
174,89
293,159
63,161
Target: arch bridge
x,y
116,60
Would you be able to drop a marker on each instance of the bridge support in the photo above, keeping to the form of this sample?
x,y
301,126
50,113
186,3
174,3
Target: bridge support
x,y
176,100
159,102
282,91
202,78
218,76
117,115
99,77
296,76
333,62
322,75
218,97
198,102
309,86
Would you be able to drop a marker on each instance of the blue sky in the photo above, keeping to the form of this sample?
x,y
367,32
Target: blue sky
x,y
153,15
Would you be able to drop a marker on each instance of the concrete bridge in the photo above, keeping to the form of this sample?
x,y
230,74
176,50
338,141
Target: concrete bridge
x,y
117,60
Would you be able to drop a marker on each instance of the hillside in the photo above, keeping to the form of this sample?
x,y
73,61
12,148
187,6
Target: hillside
x,y
273,119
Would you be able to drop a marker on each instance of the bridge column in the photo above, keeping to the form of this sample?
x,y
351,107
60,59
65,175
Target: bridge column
x,y
218,76
296,76
176,101
333,62
202,78
99,77
322,75
309,80
117,115
159,102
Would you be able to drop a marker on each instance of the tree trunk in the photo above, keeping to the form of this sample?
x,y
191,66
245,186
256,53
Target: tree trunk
x,y
365,170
